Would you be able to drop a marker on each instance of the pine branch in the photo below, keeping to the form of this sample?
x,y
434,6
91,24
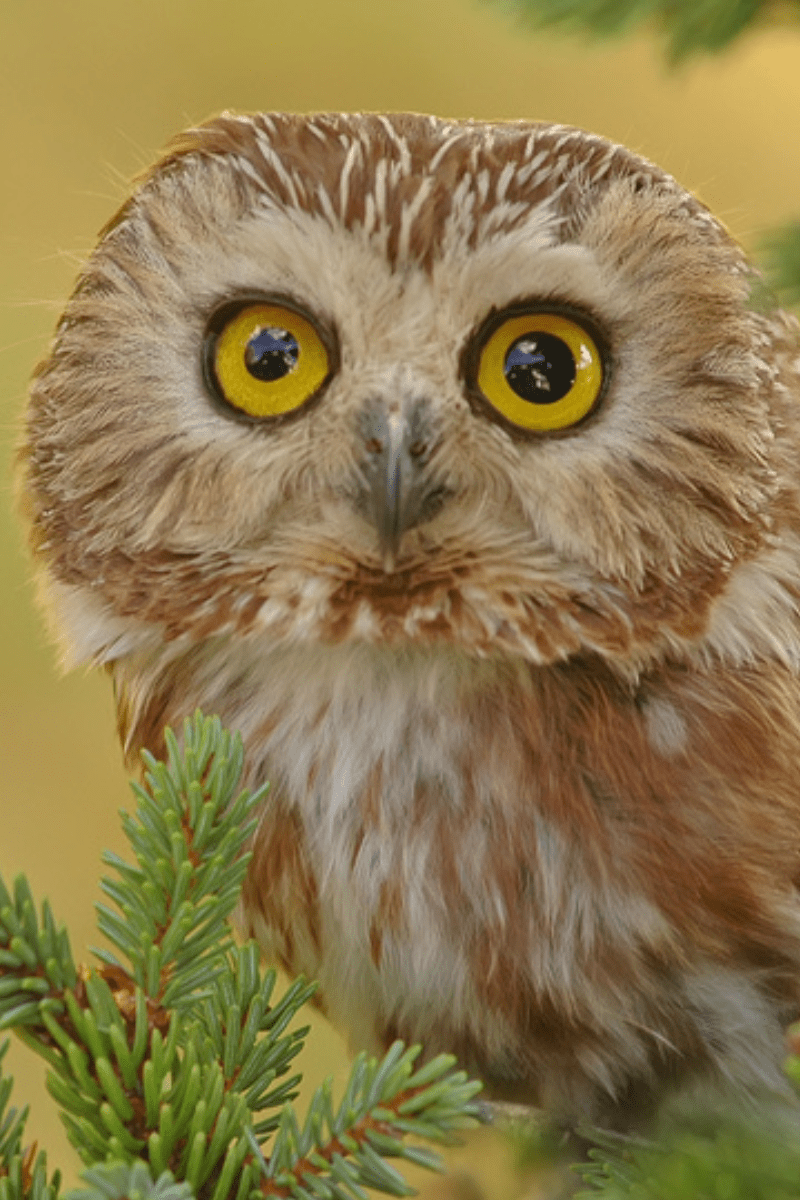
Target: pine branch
x,y
23,1172
736,1160
782,262
338,1154
120,1181
36,964
188,837
687,26
703,1148
170,1062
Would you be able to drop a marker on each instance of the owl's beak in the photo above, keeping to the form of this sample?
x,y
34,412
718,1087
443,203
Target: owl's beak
x,y
398,490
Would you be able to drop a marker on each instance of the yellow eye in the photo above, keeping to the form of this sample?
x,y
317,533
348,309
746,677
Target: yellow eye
x,y
265,359
540,370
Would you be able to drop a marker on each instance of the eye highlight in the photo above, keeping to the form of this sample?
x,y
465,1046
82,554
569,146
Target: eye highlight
x,y
265,358
540,370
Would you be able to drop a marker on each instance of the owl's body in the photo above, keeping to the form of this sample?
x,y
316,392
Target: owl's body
x,y
528,698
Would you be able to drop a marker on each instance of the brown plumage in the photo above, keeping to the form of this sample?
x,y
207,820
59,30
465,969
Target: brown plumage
x,y
527,696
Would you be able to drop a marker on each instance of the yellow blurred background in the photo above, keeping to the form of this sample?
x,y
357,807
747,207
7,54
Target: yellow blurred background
x,y
91,89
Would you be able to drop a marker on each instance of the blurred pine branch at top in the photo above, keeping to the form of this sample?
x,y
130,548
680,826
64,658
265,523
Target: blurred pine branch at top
x,y
688,26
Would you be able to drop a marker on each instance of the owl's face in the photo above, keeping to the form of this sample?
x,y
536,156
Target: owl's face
x,y
392,379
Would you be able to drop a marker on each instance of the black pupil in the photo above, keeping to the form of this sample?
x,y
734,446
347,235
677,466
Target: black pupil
x,y
540,368
271,354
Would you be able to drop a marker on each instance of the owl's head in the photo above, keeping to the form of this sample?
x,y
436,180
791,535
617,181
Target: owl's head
x,y
396,379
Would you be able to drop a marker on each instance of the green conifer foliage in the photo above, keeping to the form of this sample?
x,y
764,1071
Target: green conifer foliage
x,y
170,1061
688,28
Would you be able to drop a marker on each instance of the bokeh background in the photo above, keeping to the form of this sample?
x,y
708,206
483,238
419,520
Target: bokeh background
x,y
90,90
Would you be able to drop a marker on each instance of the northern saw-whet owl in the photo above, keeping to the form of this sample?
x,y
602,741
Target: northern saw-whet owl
x,y
454,466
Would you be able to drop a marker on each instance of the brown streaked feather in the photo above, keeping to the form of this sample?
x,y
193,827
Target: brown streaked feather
x,y
533,791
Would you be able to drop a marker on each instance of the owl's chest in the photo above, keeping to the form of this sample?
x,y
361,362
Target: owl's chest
x,y
428,832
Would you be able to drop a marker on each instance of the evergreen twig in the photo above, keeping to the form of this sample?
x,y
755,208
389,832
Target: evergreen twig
x,y
700,1153
170,1061
781,257
23,1171
688,27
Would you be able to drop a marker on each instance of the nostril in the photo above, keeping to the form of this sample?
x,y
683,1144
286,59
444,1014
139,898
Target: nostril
x,y
374,445
418,449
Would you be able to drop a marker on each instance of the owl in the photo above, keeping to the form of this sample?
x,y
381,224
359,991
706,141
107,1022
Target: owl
x,y
456,465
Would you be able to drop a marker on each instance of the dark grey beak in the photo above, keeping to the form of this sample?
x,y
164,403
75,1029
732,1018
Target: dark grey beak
x,y
399,490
